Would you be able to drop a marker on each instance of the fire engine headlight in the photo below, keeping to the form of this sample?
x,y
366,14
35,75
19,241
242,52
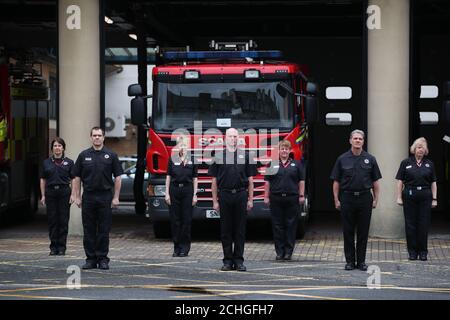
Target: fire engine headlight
x,y
191,75
160,191
251,74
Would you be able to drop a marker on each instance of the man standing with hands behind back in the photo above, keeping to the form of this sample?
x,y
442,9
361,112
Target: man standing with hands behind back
x,y
232,175
354,175
95,167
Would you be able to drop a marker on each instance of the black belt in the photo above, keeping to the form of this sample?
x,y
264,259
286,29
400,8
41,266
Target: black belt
x,y
285,194
233,190
58,186
417,187
357,193
181,185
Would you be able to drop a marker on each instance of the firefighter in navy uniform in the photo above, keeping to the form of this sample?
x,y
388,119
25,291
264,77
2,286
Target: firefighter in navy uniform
x,y
181,187
55,194
417,192
354,175
95,167
285,192
232,174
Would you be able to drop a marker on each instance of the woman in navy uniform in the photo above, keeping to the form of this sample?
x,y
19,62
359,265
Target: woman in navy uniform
x,y
285,192
417,193
181,187
55,191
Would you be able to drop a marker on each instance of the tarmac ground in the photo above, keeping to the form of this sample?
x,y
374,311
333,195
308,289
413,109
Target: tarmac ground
x,y
142,267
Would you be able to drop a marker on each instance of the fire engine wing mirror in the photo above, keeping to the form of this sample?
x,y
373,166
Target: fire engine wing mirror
x,y
311,109
311,88
138,111
134,90
311,104
138,105
283,89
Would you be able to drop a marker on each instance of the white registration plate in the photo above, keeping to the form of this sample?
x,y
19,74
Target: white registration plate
x,y
212,214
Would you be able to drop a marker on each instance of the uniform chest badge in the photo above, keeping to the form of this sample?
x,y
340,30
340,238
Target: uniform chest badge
x,y
408,167
88,159
65,163
106,156
366,161
292,164
427,165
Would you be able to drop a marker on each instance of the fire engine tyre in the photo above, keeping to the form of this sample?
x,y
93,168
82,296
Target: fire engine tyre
x,y
161,230
4,188
140,208
32,205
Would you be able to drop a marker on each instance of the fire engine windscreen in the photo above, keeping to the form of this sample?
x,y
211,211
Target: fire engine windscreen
x,y
239,105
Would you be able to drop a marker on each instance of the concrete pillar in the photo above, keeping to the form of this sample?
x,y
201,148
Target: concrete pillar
x,y
79,80
388,107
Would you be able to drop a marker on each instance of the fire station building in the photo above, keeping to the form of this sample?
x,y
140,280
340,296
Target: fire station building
x,y
380,65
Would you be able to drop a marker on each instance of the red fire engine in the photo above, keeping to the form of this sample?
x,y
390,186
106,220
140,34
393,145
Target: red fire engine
x,y
23,136
202,93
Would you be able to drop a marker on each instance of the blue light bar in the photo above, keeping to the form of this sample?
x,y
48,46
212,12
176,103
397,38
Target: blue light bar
x,y
198,55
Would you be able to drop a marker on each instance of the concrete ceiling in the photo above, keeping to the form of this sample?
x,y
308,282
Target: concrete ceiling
x,y
178,23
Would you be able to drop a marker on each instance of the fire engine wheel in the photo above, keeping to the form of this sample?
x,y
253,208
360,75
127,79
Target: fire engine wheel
x,y
161,230
28,209
33,203
139,208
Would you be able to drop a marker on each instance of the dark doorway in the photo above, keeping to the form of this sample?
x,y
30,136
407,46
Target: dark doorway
x,y
430,74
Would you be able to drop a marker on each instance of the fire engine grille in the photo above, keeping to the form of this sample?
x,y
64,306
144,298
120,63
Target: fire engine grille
x,y
204,194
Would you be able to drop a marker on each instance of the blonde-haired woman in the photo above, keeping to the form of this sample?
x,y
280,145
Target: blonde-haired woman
x,y
181,187
284,192
417,193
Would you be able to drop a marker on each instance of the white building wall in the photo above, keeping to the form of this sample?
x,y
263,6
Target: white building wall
x,y
116,89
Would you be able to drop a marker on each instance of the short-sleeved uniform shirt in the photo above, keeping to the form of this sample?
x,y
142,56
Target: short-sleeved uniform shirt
x,y
413,175
234,173
96,168
182,172
355,173
284,178
57,171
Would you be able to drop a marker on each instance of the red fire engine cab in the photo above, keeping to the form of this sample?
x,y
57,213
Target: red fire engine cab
x,y
201,94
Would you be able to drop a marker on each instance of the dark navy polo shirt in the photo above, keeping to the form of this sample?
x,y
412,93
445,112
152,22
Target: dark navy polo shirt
x,y
57,171
182,172
285,178
355,173
96,168
232,169
413,175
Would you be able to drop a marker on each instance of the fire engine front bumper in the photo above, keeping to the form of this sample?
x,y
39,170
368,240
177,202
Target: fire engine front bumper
x,y
158,211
